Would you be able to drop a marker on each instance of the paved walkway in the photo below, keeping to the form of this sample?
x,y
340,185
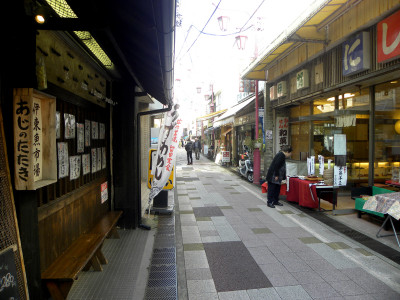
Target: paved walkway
x,y
230,245
223,242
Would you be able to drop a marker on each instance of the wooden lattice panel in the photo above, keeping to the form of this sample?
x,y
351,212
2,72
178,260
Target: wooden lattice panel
x,y
9,235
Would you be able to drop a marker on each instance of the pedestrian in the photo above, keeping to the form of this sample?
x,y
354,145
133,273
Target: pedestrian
x,y
276,173
189,149
197,148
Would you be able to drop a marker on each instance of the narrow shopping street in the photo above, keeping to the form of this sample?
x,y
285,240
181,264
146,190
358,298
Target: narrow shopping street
x,y
223,242
235,247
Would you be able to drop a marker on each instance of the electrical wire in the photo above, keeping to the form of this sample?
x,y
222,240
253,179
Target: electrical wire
x,y
202,31
208,21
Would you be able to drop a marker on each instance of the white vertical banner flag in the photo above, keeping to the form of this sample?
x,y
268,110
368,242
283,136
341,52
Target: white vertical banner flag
x,y
321,164
168,140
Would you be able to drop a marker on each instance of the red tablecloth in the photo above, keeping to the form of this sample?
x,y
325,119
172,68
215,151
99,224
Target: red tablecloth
x,y
264,188
300,192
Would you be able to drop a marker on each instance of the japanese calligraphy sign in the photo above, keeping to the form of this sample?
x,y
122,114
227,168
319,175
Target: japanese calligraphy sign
x,y
95,130
80,142
85,164
388,38
94,160
339,176
170,134
63,163
98,168
69,128
74,167
356,54
87,133
282,132
34,139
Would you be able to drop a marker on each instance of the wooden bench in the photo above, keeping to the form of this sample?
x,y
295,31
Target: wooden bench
x,y
83,253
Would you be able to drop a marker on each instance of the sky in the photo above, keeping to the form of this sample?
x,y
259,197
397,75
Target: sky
x,y
212,56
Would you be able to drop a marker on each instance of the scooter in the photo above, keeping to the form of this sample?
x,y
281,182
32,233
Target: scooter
x,y
245,167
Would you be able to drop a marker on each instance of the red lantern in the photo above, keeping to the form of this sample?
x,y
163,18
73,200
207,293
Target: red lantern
x,y
241,41
223,22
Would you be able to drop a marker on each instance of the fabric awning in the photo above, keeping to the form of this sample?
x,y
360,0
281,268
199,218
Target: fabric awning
x,y
306,29
209,116
231,112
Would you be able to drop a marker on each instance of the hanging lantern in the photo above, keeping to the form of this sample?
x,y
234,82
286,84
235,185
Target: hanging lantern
x,y
198,90
223,22
241,41
206,97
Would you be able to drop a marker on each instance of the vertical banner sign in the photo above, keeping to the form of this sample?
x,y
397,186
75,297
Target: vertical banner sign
x,y
321,164
167,148
388,38
282,132
340,169
261,121
37,140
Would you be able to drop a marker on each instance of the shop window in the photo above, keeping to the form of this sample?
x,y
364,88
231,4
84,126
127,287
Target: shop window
x,y
387,131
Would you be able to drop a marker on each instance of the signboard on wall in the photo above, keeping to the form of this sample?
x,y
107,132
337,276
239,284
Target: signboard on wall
x,y
282,132
226,156
34,139
356,54
388,38
302,79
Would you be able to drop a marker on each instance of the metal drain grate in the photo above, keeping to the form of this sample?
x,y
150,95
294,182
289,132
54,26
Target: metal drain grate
x,y
162,282
161,293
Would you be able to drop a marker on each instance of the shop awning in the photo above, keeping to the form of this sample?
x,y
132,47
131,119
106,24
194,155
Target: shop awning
x,y
211,115
306,29
228,116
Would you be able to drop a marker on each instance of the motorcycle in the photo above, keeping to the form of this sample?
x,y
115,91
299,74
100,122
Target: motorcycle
x,y
245,167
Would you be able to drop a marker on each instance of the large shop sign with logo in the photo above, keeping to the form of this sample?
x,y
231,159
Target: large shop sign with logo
x,y
356,54
388,38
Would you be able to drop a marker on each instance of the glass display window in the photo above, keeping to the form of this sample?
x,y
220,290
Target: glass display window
x,y
387,131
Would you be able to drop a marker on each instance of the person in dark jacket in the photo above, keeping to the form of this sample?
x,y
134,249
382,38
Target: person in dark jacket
x,y
189,149
276,173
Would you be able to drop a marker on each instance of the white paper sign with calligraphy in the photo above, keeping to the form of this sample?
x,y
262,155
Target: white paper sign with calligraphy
x,y
69,128
95,130
87,133
58,125
94,160
85,164
80,141
340,176
321,164
74,167
282,132
98,159
102,132
63,163
170,134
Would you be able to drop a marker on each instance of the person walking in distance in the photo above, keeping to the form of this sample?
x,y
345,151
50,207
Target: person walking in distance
x,y
197,148
189,149
276,173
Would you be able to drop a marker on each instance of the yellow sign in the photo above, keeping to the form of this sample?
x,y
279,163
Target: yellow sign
x,y
152,163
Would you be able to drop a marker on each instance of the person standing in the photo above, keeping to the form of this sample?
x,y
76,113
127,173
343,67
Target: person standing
x,y
276,173
197,147
189,149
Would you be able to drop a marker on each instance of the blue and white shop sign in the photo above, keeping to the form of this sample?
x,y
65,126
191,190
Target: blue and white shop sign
x,y
356,54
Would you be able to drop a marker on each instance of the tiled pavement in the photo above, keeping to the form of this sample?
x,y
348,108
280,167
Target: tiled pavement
x,y
235,247
230,245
